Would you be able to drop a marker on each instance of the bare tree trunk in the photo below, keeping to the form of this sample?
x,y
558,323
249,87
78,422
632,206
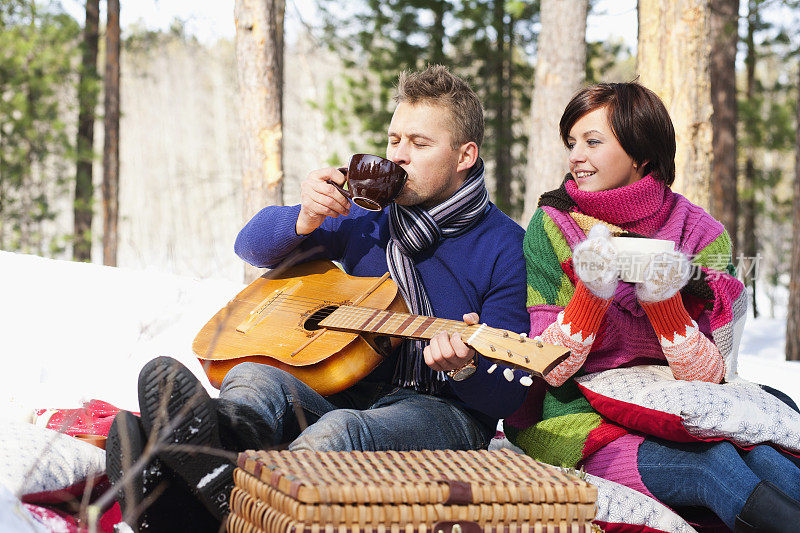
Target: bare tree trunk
x,y
724,199
259,55
503,139
560,71
87,102
111,137
27,192
749,245
438,32
673,61
793,316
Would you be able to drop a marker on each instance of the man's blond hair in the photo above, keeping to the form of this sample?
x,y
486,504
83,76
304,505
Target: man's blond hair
x,y
437,86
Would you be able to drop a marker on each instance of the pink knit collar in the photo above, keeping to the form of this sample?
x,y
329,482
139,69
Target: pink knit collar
x,y
641,207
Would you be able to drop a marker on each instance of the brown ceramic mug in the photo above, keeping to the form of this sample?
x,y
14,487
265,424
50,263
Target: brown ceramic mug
x,y
373,182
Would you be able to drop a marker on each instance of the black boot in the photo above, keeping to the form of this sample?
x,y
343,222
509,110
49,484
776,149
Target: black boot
x,y
178,409
241,427
150,495
768,510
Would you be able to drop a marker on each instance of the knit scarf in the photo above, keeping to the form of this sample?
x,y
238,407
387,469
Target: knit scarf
x,y
641,207
412,230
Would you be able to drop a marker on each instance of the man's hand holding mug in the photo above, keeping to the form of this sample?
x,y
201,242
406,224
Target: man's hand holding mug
x,y
373,182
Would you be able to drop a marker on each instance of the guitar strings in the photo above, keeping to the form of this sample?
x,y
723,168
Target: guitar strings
x,y
297,303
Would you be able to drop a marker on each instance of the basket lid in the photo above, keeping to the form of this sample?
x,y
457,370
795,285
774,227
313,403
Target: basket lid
x,y
427,476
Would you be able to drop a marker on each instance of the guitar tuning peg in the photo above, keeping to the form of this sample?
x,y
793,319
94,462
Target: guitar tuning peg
x,y
492,368
508,374
526,381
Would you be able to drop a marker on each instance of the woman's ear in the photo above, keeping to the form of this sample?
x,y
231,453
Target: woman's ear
x,y
641,166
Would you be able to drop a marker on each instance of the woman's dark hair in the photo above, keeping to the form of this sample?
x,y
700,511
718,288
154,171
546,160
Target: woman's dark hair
x,y
638,119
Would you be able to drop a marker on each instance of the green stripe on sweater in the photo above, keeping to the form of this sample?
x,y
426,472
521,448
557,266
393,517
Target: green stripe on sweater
x,y
565,400
543,246
717,255
557,240
558,441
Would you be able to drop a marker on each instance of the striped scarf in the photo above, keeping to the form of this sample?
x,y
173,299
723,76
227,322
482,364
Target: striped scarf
x,y
412,230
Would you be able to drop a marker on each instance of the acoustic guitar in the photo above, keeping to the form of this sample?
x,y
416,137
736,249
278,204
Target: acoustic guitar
x,y
330,329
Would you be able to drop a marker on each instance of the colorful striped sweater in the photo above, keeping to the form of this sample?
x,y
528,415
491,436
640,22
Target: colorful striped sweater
x,y
556,424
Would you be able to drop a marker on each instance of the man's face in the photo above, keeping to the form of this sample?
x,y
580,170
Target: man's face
x,y
421,142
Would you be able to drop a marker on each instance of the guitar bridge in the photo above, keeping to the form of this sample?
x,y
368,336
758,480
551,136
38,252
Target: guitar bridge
x,y
258,313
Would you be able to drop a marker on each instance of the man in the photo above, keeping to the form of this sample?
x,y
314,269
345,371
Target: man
x,y
453,254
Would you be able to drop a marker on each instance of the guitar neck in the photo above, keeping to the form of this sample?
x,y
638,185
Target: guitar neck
x,y
367,320
512,349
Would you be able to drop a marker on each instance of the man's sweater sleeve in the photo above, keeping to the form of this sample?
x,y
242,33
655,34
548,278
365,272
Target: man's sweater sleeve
x,y
504,307
270,236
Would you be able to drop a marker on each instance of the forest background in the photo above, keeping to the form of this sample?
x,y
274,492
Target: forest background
x,y
135,148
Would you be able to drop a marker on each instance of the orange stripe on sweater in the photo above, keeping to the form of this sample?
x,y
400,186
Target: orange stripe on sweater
x,y
575,328
585,311
668,317
695,358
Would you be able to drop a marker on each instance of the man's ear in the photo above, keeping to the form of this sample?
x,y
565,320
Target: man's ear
x,y
467,156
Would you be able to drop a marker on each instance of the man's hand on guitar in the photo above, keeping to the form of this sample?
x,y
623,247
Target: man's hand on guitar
x,y
320,199
446,352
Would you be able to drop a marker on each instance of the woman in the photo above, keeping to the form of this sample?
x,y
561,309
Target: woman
x,y
621,146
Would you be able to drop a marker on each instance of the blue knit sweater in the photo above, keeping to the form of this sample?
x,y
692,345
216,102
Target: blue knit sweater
x,y
479,271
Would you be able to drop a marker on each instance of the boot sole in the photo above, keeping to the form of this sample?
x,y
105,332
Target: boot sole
x,y
189,411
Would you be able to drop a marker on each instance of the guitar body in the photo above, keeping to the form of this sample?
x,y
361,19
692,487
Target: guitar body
x,y
274,321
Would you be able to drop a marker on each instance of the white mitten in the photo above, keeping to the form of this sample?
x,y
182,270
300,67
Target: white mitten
x,y
595,262
666,274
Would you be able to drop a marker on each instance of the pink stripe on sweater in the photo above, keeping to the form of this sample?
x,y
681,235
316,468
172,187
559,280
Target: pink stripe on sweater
x,y
616,461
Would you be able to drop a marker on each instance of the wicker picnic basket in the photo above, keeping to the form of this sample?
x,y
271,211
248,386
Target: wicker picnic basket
x,y
417,491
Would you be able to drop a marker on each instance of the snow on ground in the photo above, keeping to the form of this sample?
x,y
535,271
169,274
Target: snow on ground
x,y
762,356
71,332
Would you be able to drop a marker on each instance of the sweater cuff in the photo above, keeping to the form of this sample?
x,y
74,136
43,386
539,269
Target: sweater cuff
x,y
585,311
668,316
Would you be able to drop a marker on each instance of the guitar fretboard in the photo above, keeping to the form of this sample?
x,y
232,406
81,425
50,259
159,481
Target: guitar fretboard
x,y
365,319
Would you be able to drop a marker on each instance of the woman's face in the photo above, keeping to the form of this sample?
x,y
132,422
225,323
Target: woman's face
x,y
596,159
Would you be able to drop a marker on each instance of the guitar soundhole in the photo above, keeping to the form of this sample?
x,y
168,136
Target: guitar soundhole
x,y
312,324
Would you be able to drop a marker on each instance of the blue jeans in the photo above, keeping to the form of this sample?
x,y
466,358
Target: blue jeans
x,y
364,417
715,475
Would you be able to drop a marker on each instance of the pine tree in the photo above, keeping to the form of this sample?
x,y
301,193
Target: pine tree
x,y
110,186
724,199
88,89
38,46
765,139
560,72
793,315
673,61
259,59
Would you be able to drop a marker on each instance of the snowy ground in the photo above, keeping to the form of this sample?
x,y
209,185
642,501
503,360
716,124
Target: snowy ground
x,y
70,332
